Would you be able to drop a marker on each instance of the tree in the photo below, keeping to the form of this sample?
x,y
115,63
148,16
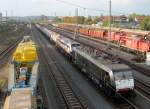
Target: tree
x,y
145,24
56,19
81,19
106,23
88,20
131,17
68,20
96,19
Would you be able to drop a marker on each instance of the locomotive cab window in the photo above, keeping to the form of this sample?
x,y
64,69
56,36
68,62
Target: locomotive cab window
x,y
75,45
121,75
107,77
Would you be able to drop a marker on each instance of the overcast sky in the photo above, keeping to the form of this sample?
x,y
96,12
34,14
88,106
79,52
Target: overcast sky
x,y
49,7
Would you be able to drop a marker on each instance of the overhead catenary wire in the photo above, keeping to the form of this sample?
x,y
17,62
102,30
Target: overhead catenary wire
x,y
90,9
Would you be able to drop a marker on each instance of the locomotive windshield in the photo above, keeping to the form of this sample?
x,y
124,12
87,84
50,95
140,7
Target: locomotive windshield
x,y
122,75
75,45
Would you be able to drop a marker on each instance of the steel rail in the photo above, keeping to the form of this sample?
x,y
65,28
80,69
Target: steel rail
x,y
72,101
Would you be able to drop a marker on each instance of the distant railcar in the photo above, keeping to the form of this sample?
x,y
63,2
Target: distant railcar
x,y
122,38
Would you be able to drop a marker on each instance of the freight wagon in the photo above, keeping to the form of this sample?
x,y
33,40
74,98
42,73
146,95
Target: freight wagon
x,y
139,44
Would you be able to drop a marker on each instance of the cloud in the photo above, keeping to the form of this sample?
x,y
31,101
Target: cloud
x,y
34,1
48,7
124,2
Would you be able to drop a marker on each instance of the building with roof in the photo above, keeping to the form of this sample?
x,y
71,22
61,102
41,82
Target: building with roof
x,y
139,18
121,18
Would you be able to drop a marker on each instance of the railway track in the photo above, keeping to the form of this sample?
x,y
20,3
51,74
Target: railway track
x,y
70,99
140,85
6,53
124,104
131,64
41,89
11,41
10,47
143,87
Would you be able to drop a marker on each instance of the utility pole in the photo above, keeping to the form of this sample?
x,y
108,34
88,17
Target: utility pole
x,y
84,12
110,18
55,14
76,29
6,16
55,19
1,18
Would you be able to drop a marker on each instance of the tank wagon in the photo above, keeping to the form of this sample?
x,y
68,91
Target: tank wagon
x,y
108,74
23,76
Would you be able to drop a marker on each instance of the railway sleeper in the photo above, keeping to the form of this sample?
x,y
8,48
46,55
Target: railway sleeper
x,y
67,90
69,94
125,106
76,106
72,99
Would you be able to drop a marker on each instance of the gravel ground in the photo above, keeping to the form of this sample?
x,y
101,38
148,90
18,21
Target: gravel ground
x,y
9,34
48,89
4,71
